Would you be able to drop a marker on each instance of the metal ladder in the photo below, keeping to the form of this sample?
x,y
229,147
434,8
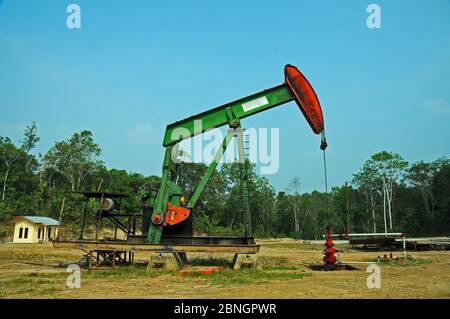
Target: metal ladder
x,y
243,166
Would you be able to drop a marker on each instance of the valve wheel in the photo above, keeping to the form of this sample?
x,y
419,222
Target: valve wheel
x,y
142,191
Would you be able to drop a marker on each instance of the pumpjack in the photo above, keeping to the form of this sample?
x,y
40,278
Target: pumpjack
x,y
167,215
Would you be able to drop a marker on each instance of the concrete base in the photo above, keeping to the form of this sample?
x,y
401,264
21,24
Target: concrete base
x,y
249,261
170,261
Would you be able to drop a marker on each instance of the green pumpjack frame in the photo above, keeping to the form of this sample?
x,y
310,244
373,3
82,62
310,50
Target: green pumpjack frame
x,y
231,114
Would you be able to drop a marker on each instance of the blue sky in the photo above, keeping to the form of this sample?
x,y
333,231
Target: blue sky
x,y
136,66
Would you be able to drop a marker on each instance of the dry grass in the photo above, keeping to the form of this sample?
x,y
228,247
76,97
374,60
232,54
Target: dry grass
x,y
31,271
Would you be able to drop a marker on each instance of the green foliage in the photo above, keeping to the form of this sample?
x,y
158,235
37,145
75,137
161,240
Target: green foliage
x,y
417,196
17,175
210,261
75,158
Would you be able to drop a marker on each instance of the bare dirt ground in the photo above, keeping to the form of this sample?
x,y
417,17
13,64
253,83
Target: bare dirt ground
x,y
31,271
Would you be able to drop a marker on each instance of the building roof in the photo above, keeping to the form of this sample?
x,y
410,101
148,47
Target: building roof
x,y
41,220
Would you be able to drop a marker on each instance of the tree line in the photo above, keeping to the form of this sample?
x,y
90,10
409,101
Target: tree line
x,y
387,194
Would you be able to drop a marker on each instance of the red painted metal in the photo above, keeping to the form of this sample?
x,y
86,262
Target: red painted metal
x,y
329,251
175,214
202,271
157,218
305,97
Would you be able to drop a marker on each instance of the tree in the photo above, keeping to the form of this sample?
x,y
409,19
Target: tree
x,y
294,189
421,174
74,158
74,164
283,213
29,141
441,189
388,167
9,153
261,199
366,181
263,206
321,215
348,206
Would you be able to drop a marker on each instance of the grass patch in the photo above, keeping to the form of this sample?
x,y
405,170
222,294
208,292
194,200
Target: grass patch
x,y
269,263
230,277
128,272
43,281
50,290
280,268
29,285
209,261
39,291
278,263
27,290
410,261
17,281
299,246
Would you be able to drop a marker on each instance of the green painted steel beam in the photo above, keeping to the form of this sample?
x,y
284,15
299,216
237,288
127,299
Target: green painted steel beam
x,y
211,168
229,113
155,230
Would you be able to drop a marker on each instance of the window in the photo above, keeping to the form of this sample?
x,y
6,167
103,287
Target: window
x,y
49,233
20,232
26,233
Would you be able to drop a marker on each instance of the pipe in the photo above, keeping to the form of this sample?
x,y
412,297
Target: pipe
x,y
369,234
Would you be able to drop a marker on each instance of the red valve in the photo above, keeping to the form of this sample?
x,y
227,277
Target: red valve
x,y
157,218
329,251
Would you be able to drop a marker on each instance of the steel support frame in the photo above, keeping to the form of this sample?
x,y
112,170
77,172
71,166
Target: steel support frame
x,y
235,130
133,247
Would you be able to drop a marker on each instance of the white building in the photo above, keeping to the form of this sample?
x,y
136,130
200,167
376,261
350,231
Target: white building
x,y
35,229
